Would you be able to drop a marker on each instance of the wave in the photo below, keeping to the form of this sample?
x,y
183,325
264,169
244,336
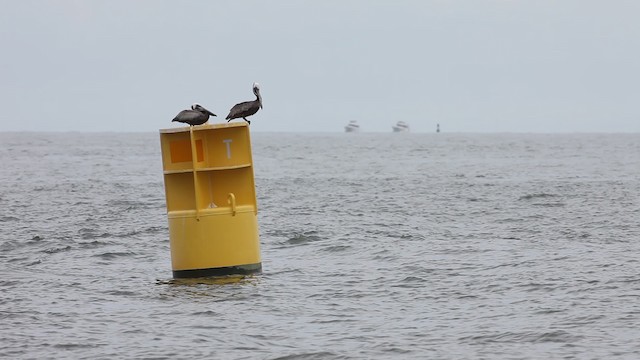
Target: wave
x,y
299,238
89,233
54,250
115,255
337,248
322,355
558,336
537,196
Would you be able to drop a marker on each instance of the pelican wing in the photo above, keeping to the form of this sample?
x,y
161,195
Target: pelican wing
x,y
187,116
243,109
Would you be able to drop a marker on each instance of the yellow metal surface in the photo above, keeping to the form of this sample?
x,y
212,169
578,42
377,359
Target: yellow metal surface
x,y
211,199
179,191
216,240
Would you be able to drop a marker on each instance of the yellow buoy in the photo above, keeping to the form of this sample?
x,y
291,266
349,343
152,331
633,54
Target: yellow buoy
x,y
211,200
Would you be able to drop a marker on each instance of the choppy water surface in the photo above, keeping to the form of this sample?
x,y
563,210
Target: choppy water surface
x,y
386,246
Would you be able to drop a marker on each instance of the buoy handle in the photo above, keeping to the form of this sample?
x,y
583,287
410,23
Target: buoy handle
x,y
232,201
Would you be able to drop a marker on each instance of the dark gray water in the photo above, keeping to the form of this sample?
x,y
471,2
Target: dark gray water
x,y
376,246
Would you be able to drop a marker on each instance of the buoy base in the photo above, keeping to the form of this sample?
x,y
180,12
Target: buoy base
x,y
221,271
217,243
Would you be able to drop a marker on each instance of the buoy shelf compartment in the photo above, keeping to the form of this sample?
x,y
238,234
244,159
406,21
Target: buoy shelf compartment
x,y
211,200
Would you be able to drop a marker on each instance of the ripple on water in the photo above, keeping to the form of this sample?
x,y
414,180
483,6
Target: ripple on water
x,y
91,233
299,238
321,355
112,255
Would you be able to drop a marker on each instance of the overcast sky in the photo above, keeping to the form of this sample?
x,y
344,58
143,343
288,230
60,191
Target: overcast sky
x,y
471,66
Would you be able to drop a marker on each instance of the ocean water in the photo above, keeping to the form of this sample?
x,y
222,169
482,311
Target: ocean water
x,y
374,246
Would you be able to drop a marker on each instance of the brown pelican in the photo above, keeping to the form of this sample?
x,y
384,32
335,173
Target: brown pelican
x,y
246,108
198,115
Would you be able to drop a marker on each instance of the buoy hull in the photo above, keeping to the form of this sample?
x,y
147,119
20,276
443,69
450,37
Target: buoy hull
x,y
218,243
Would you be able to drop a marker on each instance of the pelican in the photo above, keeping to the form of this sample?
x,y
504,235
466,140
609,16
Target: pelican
x,y
246,108
198,115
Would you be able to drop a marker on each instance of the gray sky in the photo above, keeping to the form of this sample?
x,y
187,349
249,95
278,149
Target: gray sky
x,y
472,66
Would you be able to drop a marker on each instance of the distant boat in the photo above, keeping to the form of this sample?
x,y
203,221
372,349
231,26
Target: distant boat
x,y
401,126
352,126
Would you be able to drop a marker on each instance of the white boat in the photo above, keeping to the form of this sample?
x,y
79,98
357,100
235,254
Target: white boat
x,y
352,126
400,126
